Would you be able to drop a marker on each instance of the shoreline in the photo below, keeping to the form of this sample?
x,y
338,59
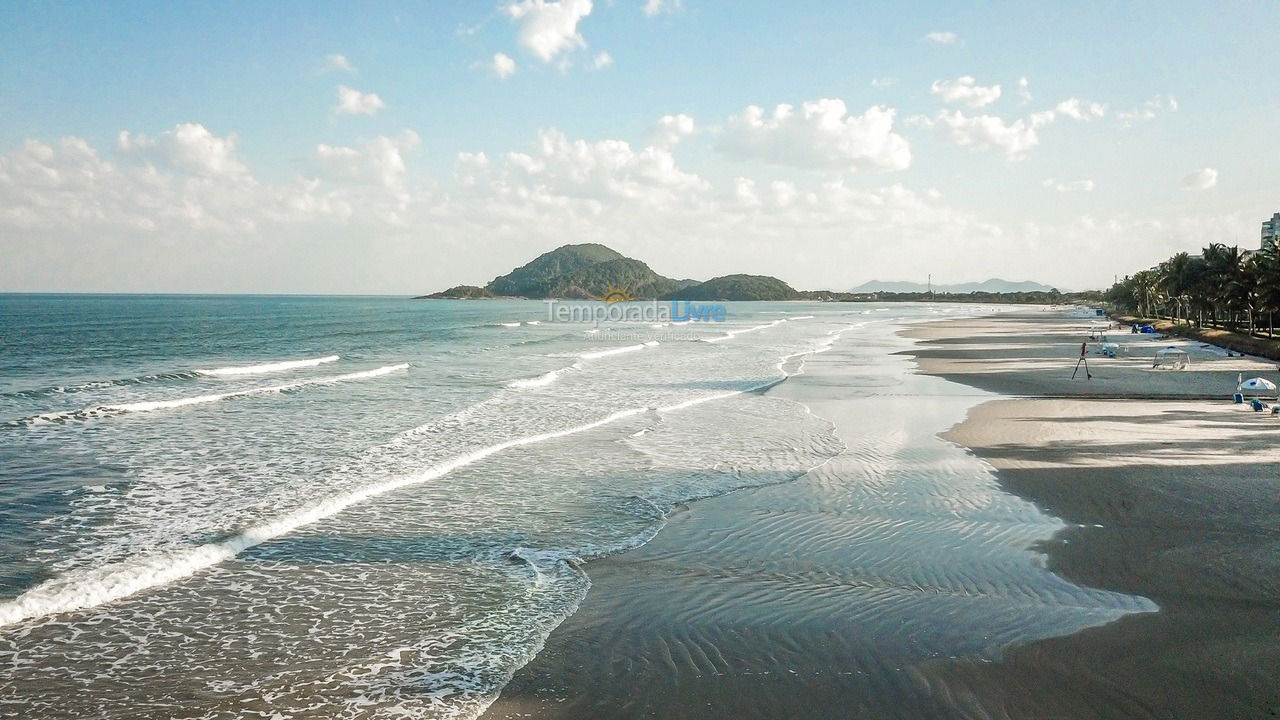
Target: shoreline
x,y
687,627
1175,498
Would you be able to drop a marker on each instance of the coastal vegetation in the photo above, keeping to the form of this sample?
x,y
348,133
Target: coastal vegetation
x,y
1223,288
738,287
459,292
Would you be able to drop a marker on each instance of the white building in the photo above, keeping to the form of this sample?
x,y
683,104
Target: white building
x,y
1270,231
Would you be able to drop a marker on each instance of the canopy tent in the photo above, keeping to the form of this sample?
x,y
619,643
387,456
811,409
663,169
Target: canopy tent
x,y
1256,386
1172,358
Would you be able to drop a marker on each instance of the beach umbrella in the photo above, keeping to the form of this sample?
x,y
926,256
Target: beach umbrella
x,y
1257,386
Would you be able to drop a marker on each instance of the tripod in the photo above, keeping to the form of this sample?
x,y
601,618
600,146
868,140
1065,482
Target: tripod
x,y
1082,361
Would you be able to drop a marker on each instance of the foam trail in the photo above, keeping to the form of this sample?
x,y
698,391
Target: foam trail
x,y
509,325
541,380
115,581
734,333
148,406
269,367
617,351
108,583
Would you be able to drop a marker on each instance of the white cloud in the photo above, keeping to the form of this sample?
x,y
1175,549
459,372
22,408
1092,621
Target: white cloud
x,y
672,129
882,82
189,148
354,102
942,38
1069,185
338,63
560,170
821,134
656,7
1201,179
1080,110
989,131
502,65
182,212
379,161
966,90
548,29
1148,110
1024,89
1013,138
601,60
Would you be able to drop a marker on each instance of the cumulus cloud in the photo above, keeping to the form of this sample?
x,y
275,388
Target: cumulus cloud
x,y
181,211
1148,110
547,29
966,90
821,134
338,63
882,82
1201,179
1069,185
942,38
671,129
601,60
1024,89
1013,138
502,65
354,102
989,131
189,148
1080,110
594,170
379,161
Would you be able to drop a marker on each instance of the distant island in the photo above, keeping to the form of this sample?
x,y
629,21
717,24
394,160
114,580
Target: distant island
x,y
590,271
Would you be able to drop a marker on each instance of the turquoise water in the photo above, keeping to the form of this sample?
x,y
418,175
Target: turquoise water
x,y
357,507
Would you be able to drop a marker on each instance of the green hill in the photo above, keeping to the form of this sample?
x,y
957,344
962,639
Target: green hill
x,y
538,278
592,270
623,274
459,292
737,287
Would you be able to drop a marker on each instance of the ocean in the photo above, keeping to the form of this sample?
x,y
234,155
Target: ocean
x,y
236,506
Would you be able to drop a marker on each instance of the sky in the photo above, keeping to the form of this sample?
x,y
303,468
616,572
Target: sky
x,y
401,148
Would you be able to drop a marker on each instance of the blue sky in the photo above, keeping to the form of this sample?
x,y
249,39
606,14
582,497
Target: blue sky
x,y
1120,133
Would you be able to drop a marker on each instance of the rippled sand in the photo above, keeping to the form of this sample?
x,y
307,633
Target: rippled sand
x,y
906,578
830,596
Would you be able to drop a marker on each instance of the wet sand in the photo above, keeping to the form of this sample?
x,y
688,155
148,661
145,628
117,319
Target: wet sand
x,y
1176,500
896,581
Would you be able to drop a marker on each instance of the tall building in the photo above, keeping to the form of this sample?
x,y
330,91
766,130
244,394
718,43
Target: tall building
x,y
1270,231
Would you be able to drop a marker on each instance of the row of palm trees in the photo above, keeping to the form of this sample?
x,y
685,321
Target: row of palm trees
x,y
1223,287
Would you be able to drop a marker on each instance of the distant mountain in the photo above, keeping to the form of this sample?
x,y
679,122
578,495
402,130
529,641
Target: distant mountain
x,y
459,292
737,287
994,285
582,271
590,270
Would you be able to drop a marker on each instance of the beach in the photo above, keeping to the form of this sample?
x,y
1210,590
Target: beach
x,y
1100,547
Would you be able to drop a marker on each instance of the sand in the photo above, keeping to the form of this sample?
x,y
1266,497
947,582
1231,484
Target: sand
x,y
1176,500
901,591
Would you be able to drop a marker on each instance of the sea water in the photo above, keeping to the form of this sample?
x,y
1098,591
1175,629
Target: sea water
x,y
356,507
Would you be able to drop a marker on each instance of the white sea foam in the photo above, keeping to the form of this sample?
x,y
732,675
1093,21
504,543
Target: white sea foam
x,y
107,583
95,586
510,325
269,367
150,405
617,350
541,380
735,333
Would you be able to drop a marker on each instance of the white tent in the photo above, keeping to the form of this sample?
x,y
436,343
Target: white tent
x,y
1172,358
1256,386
